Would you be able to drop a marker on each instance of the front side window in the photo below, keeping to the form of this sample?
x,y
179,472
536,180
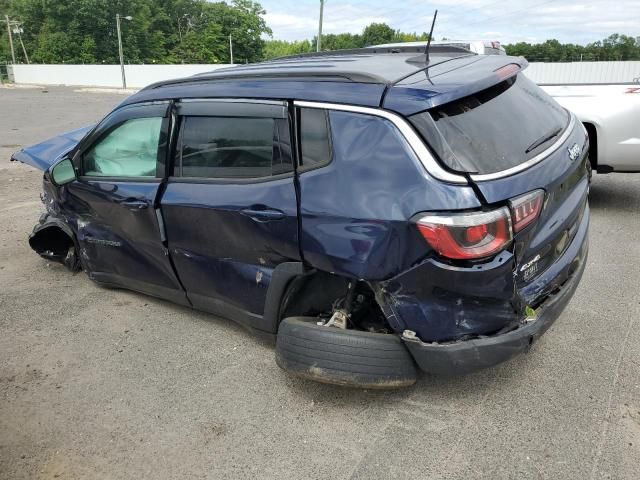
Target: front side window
x,y
129,150
233,147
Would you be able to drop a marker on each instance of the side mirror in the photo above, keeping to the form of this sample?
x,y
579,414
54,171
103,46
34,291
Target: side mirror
x,y
63,173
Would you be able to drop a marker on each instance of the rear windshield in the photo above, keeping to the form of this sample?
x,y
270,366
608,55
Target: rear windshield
x,y
495,129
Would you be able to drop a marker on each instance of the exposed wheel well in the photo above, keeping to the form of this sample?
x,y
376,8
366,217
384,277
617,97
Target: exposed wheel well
x,y
319,294
54,244
593,144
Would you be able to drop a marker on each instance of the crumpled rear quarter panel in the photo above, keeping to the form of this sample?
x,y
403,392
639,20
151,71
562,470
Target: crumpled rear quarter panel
x,y
356,211
442,302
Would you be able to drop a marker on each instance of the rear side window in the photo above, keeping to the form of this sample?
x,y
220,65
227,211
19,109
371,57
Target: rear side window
x,y
233,147
495,129
315,143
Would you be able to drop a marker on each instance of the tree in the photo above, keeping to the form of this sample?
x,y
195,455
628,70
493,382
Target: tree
x,y
410,37
614,47
340,41
201,46
377,33
244,21
162,31
282,48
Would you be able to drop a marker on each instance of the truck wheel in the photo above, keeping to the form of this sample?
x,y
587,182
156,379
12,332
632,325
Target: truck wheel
x,y
343,357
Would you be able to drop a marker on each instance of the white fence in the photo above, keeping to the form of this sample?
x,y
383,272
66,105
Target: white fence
x,y
139,76
584,72
110,76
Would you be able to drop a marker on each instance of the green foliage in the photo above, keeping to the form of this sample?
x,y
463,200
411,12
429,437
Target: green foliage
x,y
197,31
614,47
377,33
162,31
282,48
340,41
410,37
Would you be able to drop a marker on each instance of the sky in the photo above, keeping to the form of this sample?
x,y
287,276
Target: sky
x,y
508,21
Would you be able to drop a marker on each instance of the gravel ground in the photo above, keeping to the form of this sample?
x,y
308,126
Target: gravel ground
x,y
99,383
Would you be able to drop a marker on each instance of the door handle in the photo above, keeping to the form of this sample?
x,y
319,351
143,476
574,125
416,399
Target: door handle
x,y
263,215
135,204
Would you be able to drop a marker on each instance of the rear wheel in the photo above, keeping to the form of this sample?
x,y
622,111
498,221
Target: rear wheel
x,y
343,357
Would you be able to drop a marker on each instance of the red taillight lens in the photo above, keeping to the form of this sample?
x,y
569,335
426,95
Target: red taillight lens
x,y
633,90
525,209
466,236
474,235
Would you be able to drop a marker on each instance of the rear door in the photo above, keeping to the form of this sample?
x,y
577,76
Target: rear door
x,y
121,165
230,206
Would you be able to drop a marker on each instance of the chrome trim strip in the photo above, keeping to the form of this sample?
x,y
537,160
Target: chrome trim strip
x,y
531,162
278,103
415,142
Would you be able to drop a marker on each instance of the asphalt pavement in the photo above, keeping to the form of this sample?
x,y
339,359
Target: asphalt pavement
x,y
98,383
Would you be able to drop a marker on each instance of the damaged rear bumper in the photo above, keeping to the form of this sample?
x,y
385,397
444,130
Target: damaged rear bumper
x,y
469,355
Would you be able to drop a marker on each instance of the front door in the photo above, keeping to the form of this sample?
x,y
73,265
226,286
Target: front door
x,y
230,206
119,230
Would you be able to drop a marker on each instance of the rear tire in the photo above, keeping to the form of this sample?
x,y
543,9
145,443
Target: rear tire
x,y
343,357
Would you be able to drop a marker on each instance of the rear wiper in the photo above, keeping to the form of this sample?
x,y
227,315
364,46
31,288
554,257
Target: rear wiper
x,y
543,139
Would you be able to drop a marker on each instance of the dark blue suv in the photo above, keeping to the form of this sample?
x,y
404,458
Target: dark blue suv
x,y
371,210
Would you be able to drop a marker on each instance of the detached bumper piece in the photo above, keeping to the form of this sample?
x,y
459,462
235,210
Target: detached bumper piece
x,y
469,355
343,357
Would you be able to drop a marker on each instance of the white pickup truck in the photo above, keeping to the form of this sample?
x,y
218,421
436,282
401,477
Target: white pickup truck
x,y
611,115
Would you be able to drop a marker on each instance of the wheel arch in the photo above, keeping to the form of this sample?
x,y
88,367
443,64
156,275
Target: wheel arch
x,y
592,132
52,240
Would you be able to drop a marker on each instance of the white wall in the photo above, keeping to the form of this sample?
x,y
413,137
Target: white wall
x,y
583,72
138,76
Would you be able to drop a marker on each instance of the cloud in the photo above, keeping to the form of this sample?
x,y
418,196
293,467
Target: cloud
x,y
517,20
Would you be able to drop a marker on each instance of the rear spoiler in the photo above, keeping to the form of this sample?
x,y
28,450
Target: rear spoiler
x,y
443,84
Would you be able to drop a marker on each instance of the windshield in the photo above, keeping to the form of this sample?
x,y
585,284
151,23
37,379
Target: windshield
x,y
495,129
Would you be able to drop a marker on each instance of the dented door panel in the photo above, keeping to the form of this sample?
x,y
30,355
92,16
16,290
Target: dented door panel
x,y
119,236
225,256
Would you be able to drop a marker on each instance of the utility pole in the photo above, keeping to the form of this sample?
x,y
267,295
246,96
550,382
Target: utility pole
x,y
230,49
319,42
13,53
19,31
124,78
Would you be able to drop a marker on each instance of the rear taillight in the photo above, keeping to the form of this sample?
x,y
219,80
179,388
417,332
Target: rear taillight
x,y
525,209
474,235
466,236
633,90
